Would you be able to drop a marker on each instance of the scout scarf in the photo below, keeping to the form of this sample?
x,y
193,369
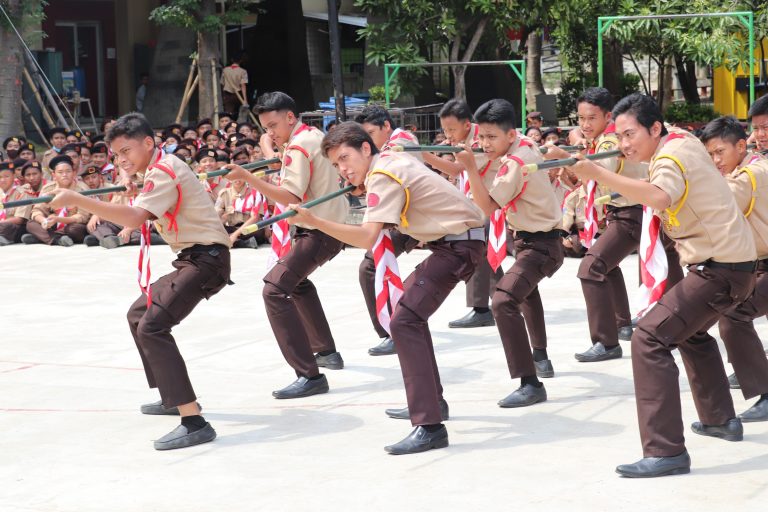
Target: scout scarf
x,y
387,282
497,235
653,262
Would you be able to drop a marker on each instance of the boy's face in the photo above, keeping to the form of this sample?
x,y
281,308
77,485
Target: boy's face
x,y
190,134
133,155
27,154
212,140
92,180
760,127
64,175
75,158
246,130
552,137
33,177
352,164
279,125
207,163
71,139
99,159
726,155
85,156
203,128
12,144
6,179
637,142
224,121
59,140
379,134
494,140
592,120
455,131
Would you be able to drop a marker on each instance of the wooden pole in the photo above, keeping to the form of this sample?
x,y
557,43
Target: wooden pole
x,y
250,114
34,122
186,88
187,96
215,86
36,92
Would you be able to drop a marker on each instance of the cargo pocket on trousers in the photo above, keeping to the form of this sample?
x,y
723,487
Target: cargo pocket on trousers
x,y
664,324
422,298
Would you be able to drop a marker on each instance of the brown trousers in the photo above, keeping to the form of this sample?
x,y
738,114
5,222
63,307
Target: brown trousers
x,y
482,284
293,307
602,281
12,232
535,259
76,232
201,272
231,103
680,320
367,273
106,228
425,290
743,345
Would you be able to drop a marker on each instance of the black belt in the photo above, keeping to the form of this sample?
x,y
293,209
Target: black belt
x,y
212,249
611,208
743,266
539,235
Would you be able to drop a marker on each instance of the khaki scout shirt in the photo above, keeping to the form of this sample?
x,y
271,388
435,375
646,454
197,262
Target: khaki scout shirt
x,y
407,192
43,210
307,174
232,77
226,202
574,206
196,218
705,222
749,184
607,141
532,203
16,193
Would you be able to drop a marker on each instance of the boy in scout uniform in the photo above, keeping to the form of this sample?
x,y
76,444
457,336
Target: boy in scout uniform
x,y
758,116
27,152
404,194
12,220
32,173
58,226
237,209
530,208
602,281
747,177
377,122
234,80
457,125
699,212
173,198
293,306
58,139
12,147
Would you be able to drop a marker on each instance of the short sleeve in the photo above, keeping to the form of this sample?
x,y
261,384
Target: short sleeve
x,y
296,173
159,193
386,199
508,182
668,177
741,187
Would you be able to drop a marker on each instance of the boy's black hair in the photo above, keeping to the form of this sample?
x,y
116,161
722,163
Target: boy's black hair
x,y
499,112
132,126
597,96
456,108
641,107
275,102
727,128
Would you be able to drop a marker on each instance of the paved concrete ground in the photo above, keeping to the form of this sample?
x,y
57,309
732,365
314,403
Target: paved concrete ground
x,y
72,438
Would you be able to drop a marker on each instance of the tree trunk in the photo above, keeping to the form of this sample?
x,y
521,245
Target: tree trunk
x,y
686,75
459,72
207,49
533,83
613,67
10,74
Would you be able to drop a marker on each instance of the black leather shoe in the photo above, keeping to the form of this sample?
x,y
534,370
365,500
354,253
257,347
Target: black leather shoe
x,y
90,241
404,414
29,239
625,333
544,369
733,382
598,352
180,437
303,387
473,319
650,467
157,409
732,430
758,412
420,441
524,396
331,361
385,348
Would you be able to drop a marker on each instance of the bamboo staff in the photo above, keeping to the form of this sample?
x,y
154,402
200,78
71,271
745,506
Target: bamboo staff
x,y
215,87
35,123
566,162
187,90
290,213
39,99
121,188
455,149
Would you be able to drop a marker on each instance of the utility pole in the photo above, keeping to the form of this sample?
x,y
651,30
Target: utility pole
x,y
338,84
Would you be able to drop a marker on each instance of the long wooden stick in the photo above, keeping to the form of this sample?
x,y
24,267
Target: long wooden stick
x,y
566,162
187,87
41,104
35,123
188,96
215,87
290,213
454,149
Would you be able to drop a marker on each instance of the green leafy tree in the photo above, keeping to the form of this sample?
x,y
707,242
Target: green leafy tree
x,y
202,17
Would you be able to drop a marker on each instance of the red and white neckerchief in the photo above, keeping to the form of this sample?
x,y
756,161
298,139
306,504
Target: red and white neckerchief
x,y
398,137
62,212
653,262
590,212
281,238
244,203
260,204
463,175
8,194
145,272
387,282
497,235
